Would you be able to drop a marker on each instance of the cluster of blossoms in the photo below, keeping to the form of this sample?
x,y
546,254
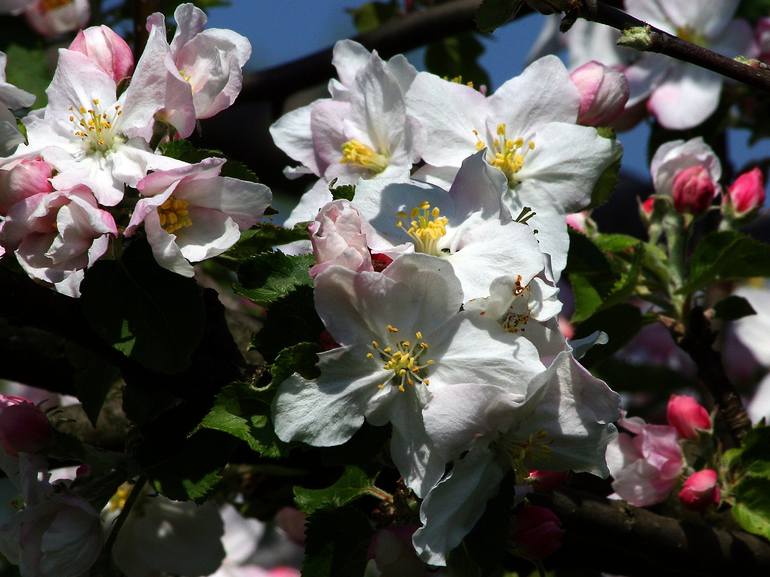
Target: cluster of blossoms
x,y
50,18
63,196
677,94
436,281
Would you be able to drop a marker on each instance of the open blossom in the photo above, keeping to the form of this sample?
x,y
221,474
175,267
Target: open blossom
x,y
679,94
11,98
338,235
191,213
562,422
55,17
700,490
603,93
466,225
209,63
528,129
402,339
92,136
688,172
687,416
57,235
646,464
108,49
746,194
364,133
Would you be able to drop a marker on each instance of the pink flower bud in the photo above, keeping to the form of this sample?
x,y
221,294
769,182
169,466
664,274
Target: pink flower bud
x,y
700,490
537,532
27,178
687,416
338,235
24,428
747,193
603,93
546,481
577,221
107,49
693,190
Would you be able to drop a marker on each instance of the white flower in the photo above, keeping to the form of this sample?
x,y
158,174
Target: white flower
x,y
364,132
191,213
467,225
89,134
402,338
682,95
11,98
528,130
564,423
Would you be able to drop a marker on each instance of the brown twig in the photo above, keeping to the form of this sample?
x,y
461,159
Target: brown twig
x,y
657,40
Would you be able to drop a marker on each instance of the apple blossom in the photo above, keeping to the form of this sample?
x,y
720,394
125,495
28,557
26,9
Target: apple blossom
x,y
536,533
57,235
603,93
23,426
54,17
191,213
528,130
91,136
687,172
746,194
28,177
700,490
102,45
562,423
399,331
208,62
681,95
338,235
466,225
646,466
687,416
368,134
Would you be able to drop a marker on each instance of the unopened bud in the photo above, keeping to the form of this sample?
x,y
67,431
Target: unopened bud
x,y
537,532
746,194
687,416
107,49
28,177
694,190
603,93
24,428
700,490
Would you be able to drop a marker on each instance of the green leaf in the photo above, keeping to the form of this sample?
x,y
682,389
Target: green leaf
x,y
457,57
343,191
301,358
186,151
372,15
270,276
28,69
195,469
733,308
621,323
590,275
353,484
609,178
336,543
146,312
752,505
240,412
727,255
753,10
263,237
494,13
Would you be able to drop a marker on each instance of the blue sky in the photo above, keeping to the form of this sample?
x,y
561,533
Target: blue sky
x,y
281,31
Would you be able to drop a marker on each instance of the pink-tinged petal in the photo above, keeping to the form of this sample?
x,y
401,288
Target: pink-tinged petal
x,y
603,93
700,490
160,180
245,202
747,193
338,237
644,75
210,234
102,45
58,20
164,248
144,207
190,21
687,415
327,118
25,179
707,17
687,97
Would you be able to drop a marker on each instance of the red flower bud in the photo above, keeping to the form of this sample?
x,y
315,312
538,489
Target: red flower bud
x,y
700,490
648,206
693,190
537,532
24,428
687,416
747,193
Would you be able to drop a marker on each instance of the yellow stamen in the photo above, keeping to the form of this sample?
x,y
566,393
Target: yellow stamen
x,y
359,154
174,215
404,363
507,154
426,228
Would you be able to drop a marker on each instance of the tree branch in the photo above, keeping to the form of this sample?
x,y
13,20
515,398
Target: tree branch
x,y
616,537
656,40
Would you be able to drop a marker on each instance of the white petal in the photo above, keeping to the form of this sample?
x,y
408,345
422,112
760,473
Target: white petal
x,y
211,233
644,75
310,203
687,97
292,134
164,248
477,186
241,200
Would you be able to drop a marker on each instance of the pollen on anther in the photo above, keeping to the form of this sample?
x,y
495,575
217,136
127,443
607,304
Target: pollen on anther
x,y
392,329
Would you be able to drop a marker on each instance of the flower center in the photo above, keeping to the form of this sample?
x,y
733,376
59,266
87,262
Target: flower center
x,y
359,154
118,500
403,359
690,35
426,228
174,215
536,444
48,5
507,154
519,313
95,127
